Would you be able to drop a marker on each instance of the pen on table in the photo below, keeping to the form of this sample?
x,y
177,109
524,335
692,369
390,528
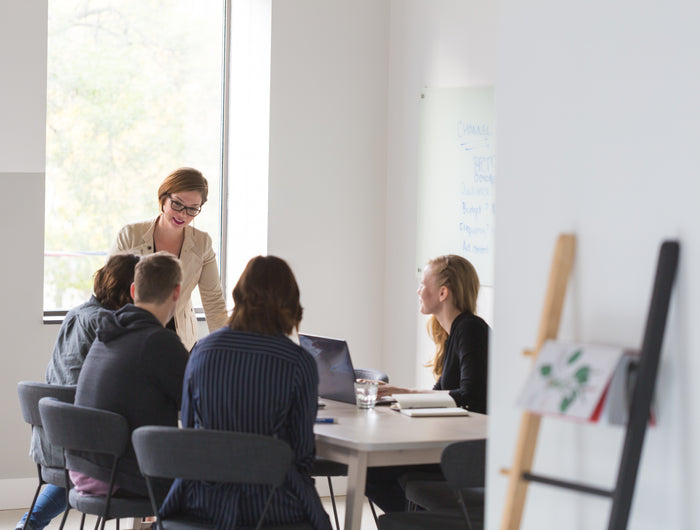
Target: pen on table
x,y
326,420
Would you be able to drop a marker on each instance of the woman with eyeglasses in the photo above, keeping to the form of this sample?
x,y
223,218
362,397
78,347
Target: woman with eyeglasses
x,y
181,196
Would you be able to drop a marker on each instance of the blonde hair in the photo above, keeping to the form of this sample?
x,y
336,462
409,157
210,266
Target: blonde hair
x,y
460,277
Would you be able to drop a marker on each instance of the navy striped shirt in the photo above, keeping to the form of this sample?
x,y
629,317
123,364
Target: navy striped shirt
x,y
263,384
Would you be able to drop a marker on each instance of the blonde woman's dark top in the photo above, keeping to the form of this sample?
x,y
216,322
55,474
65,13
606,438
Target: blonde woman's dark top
x,y
465,371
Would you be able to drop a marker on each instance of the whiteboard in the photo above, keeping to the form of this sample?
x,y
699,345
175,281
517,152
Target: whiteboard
x,y
456,172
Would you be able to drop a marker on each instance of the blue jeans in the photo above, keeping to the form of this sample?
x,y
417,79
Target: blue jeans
x,y
50,503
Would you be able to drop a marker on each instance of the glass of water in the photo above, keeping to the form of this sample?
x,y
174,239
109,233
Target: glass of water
x,y
365,393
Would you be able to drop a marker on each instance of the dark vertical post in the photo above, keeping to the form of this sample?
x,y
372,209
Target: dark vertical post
x,y
644,387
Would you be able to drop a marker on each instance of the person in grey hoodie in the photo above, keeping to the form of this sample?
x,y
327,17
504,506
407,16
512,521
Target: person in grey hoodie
x,y
111,290
135,368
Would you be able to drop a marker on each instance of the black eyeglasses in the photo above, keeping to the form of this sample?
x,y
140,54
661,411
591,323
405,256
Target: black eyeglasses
x,y
178,207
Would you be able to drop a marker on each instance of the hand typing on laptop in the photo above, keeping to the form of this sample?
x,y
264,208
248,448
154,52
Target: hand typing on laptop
x,y
386,389
383,398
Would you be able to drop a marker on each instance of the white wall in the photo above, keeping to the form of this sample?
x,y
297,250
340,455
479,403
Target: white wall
x,y
23,87
433,43
598,121
327,163
26,342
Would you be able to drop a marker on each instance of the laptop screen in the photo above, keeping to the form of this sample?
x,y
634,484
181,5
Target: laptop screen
x,y
336,376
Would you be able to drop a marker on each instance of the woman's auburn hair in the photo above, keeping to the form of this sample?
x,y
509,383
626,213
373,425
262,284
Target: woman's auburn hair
x,y
112,283
183,179
460,277
266,298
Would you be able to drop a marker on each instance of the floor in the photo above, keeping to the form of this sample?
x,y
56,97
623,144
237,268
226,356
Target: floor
x,y
8,518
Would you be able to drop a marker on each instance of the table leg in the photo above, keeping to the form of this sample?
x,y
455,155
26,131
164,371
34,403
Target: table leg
x,y
355,496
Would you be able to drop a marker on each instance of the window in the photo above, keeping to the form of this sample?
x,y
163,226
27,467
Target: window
x,y
134,91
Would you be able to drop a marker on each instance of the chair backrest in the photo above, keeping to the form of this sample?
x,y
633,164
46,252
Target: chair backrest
x,y
77,428
464,464
213,456
371,373
30,392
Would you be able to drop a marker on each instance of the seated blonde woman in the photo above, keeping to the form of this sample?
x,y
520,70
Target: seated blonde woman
x,y
447,292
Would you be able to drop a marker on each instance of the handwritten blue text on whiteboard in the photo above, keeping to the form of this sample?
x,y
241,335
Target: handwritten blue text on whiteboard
x,y
456,176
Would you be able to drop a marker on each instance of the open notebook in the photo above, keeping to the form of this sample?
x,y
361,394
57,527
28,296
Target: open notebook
x,y
428,404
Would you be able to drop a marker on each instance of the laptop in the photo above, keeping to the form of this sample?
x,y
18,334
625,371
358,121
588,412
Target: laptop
x,y
336,376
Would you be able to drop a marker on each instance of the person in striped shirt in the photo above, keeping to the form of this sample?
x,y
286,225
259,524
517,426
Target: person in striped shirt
x,y
253,376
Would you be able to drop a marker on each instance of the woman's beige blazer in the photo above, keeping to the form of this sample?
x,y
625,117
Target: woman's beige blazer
x,y
199,268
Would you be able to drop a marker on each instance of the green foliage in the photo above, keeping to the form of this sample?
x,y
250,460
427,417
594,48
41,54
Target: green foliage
x,y
133,92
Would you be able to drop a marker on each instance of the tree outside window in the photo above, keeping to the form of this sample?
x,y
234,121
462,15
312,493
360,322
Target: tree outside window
x,y
134,91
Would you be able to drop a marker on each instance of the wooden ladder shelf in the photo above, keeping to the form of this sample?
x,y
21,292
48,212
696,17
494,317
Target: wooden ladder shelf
x,y
520,473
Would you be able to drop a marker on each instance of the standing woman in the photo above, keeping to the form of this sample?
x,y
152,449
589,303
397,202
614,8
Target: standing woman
x,y
181,196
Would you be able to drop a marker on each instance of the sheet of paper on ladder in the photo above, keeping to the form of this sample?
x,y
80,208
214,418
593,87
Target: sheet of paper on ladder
x,y
570,379
428,404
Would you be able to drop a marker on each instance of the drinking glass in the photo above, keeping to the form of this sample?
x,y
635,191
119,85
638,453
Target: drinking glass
x,y
366,394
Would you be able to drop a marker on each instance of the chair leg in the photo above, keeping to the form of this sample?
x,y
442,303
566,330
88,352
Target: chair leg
x,y
36,496
65,516
374,512
468,520
335,510
65,512
465,511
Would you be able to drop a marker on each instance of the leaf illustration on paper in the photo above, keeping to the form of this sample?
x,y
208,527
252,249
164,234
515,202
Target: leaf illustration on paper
x,y
570,379
567,401
574,356
582,374
559,376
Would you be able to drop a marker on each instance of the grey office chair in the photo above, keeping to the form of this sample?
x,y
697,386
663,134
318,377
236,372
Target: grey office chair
x,y
90,430
457,503
212,456
467,462
30,392
328,468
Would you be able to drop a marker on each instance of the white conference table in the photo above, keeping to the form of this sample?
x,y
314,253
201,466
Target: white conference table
x,y
384,437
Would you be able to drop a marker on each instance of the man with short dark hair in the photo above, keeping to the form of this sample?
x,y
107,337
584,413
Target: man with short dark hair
x,y
135,368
